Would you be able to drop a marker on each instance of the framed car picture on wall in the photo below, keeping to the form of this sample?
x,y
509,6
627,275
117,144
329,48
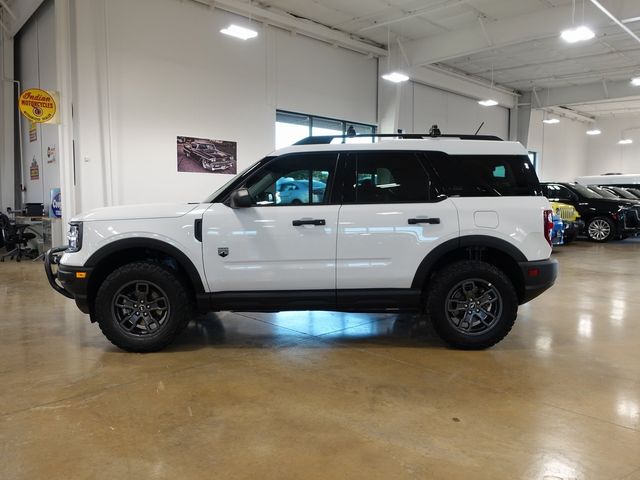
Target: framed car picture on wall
x,y
203,155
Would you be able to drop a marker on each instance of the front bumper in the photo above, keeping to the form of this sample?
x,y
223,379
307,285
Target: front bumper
x,y
573,229
538,277
72,282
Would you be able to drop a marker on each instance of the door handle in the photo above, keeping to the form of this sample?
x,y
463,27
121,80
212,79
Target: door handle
x,y
432,221
319,221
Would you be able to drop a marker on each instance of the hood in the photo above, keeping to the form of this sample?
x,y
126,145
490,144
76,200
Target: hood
x,y
609,203
137,212
617,201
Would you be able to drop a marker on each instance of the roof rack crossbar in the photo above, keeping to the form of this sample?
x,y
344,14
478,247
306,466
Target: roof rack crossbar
x,y
326,139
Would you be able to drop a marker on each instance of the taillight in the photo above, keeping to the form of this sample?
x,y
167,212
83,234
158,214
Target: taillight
x,y
547,222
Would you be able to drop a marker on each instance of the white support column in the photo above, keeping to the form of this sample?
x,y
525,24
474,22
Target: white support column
x,y
513,123
523,113
65,129
7,152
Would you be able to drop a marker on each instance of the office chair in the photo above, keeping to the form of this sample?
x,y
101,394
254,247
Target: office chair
x,y
15,239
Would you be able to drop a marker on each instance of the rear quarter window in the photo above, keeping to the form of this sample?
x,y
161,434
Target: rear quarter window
x,y
484,175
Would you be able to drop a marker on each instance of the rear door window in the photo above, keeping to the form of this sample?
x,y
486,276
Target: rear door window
x,y
484,175
386,177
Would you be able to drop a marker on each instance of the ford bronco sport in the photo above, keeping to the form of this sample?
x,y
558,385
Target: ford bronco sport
x,y
451,227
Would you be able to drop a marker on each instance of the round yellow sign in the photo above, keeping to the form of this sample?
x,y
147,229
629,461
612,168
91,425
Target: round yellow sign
x,y
37,105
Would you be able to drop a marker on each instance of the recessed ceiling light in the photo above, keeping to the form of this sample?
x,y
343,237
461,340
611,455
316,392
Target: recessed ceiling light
x,y
239,32
594,131
635,81
625,141
395,77
488,103
577,34
551,121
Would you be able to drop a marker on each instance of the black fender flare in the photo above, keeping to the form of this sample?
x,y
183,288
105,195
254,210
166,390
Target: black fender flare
x,y
152,244
427,264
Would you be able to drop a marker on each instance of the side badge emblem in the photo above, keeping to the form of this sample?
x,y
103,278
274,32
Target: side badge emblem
x,y
223,251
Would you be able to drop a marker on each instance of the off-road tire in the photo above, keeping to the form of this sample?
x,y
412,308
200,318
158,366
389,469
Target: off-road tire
x,y
180,306
437,300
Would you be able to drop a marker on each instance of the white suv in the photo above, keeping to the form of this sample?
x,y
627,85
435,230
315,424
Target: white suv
x,y
454,227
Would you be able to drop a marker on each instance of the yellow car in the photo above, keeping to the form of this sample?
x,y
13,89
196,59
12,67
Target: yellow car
x,y
573,226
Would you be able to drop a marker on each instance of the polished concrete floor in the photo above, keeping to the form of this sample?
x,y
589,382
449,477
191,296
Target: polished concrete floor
x,y
312,395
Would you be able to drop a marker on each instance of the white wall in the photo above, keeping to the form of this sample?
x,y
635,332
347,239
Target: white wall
x,y
562,148
422,106
605,155
147,71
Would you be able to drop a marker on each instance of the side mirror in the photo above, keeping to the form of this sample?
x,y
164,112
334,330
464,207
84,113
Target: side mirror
x,y
241,198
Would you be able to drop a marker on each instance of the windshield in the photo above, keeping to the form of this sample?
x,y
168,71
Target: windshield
x,y
623,193
584,191
238,178
604,193
635,192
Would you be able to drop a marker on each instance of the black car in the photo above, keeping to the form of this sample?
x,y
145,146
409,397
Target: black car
x,y
606,218
608,192
633,191
627,193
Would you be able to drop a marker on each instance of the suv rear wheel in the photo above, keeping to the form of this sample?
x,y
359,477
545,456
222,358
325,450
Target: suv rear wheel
x,y
142,307
472,304
600,229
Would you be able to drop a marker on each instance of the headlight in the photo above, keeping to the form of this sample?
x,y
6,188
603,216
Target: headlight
x,y
74,237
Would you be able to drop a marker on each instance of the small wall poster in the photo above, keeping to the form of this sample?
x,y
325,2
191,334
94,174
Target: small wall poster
x,y
204,155
33,132
34,169
55,205
51,153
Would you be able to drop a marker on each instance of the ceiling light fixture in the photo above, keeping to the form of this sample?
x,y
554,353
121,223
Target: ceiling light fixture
x,y
392,76
625,141
580,33
594,131
577,34
551,121
395,77
489,102
239,32
635,81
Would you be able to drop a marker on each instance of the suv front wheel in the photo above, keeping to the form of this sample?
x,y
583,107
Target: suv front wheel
x,y
142,306
472,304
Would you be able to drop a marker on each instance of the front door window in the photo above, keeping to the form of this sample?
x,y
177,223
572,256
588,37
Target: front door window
x,y
299,179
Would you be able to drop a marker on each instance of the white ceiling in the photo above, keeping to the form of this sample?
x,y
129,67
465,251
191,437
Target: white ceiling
x,y
536,60
628,107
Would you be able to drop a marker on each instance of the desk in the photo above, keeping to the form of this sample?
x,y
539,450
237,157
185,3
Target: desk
x,y
48,231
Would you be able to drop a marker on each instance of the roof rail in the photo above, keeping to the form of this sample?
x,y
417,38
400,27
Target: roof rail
x,y
326,139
